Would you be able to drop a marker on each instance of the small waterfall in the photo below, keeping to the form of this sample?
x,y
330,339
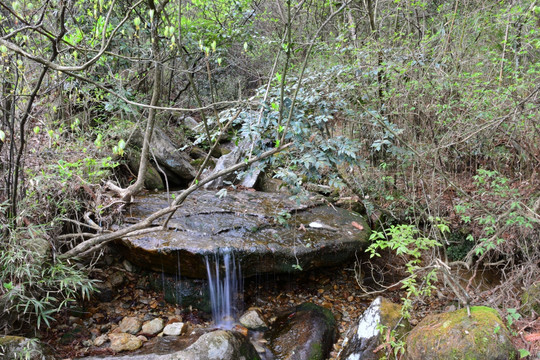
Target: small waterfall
x,y
226,287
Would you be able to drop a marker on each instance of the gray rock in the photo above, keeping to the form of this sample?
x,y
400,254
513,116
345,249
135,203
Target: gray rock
x,y
153,326
128,266
272,185
455,335
175,163
197,153
116,279
124,342
186,292
251,176
253,320
308,332
130,325
190,123
104,291
152,178
174,329
254,225
228,160
221,345
363,338
216,345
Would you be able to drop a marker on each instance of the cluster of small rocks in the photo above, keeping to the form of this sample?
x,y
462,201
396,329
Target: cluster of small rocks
x,y
132,332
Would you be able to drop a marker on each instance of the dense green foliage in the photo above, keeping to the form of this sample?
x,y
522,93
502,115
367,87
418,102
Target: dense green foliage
x,y
417,110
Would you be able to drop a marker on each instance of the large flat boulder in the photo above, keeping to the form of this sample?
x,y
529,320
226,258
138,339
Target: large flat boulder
x,y
268,232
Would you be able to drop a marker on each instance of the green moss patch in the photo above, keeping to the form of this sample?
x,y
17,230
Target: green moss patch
x,y
455,335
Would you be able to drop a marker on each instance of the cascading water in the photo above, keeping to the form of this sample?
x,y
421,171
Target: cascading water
x,y
226,287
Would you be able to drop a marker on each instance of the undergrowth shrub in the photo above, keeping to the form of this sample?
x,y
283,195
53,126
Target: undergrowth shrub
x,y
34,285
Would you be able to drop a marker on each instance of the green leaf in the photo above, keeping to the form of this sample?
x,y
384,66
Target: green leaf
x,y
2,136
523,353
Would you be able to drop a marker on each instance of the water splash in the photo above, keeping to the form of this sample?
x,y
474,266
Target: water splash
x,y
226,287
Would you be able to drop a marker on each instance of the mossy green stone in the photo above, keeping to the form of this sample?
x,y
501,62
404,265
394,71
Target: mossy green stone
x,y
530,300
8,340
316,352
455,336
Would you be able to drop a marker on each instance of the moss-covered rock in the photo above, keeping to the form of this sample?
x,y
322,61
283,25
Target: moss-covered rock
x,y
455,336
17,347
198,162
530,300
305,333
152,179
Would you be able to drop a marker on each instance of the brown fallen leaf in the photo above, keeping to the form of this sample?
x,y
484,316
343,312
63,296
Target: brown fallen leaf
x,y
532,337
357,225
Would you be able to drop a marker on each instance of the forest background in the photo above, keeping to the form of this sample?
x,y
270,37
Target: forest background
x,y
422,113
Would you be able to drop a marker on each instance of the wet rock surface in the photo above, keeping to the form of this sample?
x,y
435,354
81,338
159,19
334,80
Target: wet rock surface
x,y
253,320
307,332
364,337
215,345
192,293
268,232
454,335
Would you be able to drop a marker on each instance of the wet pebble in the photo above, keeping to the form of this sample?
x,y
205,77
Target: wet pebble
x,y
128,266
100,340
130,325
174,329
253,320
116,279
124,342
152,327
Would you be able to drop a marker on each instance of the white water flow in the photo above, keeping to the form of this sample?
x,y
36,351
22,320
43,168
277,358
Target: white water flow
x,y
226,287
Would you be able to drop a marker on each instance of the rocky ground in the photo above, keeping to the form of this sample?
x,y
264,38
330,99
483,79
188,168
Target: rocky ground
x,y
131,303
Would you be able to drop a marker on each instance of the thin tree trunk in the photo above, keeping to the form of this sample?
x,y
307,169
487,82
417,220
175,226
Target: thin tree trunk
x,y
133,189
